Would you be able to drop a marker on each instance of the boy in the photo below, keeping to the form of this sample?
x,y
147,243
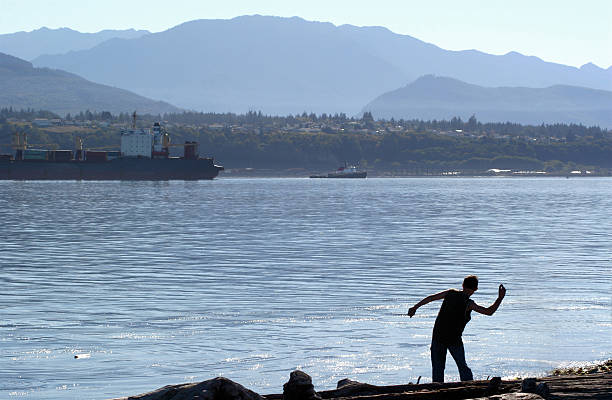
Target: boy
x,y
454,314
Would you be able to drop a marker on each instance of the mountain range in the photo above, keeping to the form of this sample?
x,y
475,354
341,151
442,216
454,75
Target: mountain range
x,y
432,97
29,45
288,65
23,86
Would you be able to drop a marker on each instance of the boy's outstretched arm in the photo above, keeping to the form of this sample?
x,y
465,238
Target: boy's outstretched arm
x,y
428,299
493,307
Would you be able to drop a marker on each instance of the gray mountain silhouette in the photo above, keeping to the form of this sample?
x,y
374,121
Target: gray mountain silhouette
x,y
288,65
29,45
23,86
432,97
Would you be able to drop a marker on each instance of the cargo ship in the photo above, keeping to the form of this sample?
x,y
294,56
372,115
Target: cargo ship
x,y
144,155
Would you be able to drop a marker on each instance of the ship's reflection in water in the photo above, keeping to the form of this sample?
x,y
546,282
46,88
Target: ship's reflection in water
x,y
164,283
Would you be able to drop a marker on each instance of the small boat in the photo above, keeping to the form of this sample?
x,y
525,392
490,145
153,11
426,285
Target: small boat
x,y
348,171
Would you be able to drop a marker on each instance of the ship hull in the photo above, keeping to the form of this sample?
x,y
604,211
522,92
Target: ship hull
x,y
135,169
347,175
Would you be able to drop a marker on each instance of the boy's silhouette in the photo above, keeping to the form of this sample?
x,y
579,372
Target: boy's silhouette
x,y
454,314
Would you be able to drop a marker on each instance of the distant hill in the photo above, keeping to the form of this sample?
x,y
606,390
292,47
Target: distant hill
x,y
289,65
23,86
29,45
432,97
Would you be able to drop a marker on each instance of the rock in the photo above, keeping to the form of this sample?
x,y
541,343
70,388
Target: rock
x,y
528,385
346,382
494,384
542,390
299,387
347,387
212,389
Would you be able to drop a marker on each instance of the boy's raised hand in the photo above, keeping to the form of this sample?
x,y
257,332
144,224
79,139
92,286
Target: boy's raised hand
x,y
502,291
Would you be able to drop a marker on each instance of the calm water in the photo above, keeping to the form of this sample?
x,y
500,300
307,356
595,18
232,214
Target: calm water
x,y
163,283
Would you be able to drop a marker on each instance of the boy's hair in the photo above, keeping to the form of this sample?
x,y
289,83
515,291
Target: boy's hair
x,y
470,282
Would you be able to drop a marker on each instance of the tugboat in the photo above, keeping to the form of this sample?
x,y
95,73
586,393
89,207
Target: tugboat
x,y
347,171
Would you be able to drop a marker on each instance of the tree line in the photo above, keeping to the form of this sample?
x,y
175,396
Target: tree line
x,y
412,151
568,132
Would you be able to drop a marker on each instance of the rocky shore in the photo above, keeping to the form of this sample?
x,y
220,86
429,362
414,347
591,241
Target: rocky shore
x,y
593,382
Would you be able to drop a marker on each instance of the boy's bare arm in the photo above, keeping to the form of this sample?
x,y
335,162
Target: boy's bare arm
x,y
493,307
428,299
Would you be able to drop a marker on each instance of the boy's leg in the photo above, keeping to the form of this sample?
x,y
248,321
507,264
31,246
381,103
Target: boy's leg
x,y
438,361
458,353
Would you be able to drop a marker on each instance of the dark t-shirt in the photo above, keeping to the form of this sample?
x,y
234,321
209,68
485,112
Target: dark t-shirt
x,y
452,317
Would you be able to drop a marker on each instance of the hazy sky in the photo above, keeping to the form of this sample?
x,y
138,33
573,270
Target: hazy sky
x,y
571,32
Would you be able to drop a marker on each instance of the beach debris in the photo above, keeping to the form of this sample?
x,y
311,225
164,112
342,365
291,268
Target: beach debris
x,y
605,366
579,387
576,387
299,387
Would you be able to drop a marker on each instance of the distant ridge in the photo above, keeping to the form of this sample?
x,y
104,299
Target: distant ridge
x,y
431,97
23,86
289,65
29,45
